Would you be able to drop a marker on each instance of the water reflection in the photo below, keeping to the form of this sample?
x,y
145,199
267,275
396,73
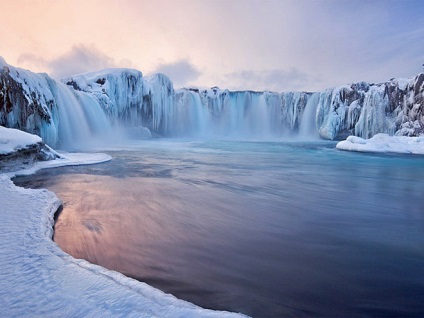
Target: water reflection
x,y
266,229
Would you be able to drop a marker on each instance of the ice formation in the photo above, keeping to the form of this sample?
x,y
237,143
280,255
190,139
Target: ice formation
x,y
101,104
37,104
362,109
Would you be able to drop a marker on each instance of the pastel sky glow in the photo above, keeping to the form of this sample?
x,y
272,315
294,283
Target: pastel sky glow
x,y
276,45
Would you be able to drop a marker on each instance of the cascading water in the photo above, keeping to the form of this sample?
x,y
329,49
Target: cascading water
x,y
191,117
96,119
307,128
241,115
101,104
81,119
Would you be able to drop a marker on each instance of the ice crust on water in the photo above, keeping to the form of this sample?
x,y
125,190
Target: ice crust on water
x,y
38,279
384,143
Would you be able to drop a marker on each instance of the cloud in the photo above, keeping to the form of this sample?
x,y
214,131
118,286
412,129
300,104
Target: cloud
x,y
181,72
273,80
79,59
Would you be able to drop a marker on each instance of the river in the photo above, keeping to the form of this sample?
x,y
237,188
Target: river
x,y
269,229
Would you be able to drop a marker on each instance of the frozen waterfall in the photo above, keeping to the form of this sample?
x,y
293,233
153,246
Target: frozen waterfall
x,y
121,103
218,113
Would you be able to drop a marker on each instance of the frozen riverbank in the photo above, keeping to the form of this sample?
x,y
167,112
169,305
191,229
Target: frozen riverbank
x,y
39,279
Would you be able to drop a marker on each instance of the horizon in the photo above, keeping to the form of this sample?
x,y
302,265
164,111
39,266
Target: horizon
x,y
253,45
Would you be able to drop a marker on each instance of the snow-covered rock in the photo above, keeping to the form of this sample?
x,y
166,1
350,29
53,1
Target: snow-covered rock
x,y
13,140
18,148
27,102
384,143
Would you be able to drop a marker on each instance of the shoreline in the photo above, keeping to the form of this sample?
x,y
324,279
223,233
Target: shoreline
x,y
39,278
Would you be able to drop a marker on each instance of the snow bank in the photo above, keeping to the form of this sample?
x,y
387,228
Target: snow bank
x,y
384,143
12,140
38,279
19,149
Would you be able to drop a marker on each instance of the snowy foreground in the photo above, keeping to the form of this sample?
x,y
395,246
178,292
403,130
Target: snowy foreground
x,y
38,279
384,143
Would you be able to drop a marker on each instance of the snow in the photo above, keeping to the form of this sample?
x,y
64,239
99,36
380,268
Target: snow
x,y
403,83
12,140
38,279
2,62
384,143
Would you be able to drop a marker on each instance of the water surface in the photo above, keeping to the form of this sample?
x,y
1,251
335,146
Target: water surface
x,y
270,229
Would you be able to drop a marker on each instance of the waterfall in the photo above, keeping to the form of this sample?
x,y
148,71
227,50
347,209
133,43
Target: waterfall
x,y
100,105
81,119
242,115
308,129
191,116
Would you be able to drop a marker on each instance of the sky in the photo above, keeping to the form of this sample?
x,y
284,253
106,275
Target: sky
x,y
276,45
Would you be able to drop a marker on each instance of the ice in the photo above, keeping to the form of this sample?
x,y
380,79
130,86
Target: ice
x,y
384,143
117,90
160,102
39,105
28,102
38,279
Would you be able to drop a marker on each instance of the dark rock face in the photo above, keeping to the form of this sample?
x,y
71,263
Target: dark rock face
x,y
12,94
